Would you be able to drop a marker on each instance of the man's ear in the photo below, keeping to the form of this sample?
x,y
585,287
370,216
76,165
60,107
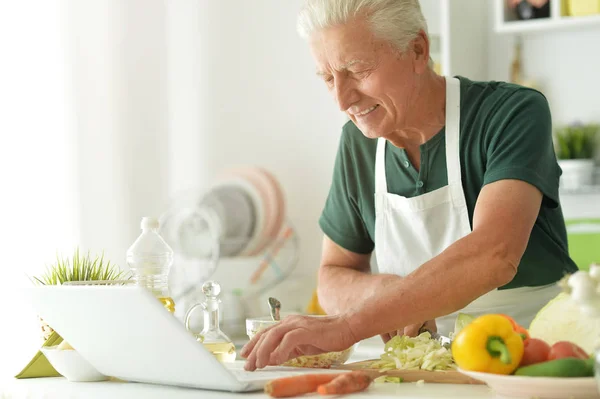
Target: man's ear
x,y
419,47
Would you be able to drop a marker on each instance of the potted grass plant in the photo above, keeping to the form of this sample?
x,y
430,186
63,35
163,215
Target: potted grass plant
x,y
575,149
78,267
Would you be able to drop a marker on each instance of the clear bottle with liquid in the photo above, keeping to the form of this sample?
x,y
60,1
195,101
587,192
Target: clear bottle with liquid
x,y
150,258
211,336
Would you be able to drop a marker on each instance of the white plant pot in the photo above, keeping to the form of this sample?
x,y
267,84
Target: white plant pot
x,y
577,173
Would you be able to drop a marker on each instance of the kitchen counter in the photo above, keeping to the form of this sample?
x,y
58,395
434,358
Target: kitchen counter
x,y
60,388
50,388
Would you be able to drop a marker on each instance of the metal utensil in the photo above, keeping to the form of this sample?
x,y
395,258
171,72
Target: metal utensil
x,y
445,341
275,307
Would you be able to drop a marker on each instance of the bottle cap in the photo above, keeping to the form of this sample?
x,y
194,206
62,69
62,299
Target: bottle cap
x,y
149,223
211,289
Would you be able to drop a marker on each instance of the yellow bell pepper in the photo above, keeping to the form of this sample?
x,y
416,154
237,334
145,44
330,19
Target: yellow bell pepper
x,y
488,344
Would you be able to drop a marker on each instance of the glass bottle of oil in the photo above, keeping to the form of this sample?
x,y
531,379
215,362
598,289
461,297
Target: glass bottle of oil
x,y
211,336
149,258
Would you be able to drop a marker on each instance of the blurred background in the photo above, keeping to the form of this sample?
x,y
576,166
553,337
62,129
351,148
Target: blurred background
x,y
113,110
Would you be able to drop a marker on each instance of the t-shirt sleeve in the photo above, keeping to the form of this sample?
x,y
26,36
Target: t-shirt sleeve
x,y
341,218
519,144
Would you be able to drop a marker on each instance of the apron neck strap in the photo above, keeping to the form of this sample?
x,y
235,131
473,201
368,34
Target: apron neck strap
x,y
453,130
380,179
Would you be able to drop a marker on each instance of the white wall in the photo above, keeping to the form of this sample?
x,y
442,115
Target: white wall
x,y
565,63
169,93
254,99
36,166
117,51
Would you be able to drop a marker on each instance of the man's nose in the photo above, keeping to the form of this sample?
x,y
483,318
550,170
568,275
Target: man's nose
x,y
345,94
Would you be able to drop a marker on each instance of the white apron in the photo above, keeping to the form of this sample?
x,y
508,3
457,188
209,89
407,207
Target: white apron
x,y
411,231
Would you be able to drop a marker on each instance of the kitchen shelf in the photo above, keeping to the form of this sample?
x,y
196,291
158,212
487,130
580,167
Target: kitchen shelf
x,y
587,190
505,23
548,24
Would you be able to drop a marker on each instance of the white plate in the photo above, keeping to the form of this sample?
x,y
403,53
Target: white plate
x,y
511,386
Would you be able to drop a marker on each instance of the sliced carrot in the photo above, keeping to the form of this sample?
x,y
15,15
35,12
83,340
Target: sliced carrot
x,y
355,381
298,384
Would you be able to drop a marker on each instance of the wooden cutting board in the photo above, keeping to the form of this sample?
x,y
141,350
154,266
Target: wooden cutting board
x,y
440,377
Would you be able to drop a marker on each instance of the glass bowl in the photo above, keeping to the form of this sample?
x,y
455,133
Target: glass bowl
x,y
324,360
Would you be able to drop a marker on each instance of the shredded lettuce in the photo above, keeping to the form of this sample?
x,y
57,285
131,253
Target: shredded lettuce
x,y
415,353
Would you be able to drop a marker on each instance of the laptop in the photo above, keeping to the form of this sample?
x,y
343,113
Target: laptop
x,y
125,332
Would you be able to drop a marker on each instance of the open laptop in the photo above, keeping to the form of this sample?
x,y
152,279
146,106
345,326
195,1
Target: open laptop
x,y
124,332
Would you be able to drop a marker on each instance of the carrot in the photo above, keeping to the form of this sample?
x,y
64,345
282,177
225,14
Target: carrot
x,y
355,381
297,385
518,328
523,332
512,321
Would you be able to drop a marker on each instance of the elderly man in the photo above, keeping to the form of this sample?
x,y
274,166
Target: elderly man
x,y
453,183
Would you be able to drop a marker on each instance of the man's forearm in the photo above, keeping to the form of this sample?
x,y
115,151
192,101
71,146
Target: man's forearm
x,y
342,288
446,284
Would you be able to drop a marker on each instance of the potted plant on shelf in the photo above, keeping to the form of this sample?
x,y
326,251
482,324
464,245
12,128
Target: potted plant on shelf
x,y
575,147
78,268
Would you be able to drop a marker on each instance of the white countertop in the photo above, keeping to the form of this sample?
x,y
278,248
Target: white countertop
x,y
50,388
55,388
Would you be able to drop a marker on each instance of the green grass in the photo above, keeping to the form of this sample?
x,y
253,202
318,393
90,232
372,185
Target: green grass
x,y
80,268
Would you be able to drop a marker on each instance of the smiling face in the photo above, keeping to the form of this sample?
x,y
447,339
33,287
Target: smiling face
x,y
369,79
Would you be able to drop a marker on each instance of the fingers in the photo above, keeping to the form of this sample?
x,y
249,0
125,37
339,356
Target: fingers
x,y
387,336
249,347
287,348
412,330
430,326
269,344
250,364
415,329
258,350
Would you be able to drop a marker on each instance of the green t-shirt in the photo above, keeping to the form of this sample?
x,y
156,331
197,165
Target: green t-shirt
x,y
505,133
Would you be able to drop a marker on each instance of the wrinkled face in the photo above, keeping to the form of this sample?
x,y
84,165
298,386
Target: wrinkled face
x,y
369,79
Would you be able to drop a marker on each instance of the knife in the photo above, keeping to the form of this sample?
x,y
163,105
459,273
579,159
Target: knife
x,y
445,341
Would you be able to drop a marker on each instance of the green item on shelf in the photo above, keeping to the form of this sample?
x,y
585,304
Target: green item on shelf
x,y
39,366
584,241
576,141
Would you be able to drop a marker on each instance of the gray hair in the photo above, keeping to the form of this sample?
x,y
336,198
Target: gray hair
x,y
396,21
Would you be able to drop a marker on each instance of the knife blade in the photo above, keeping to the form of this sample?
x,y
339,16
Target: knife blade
x,y
445,341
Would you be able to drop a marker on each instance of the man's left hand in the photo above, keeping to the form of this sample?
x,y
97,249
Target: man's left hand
x,y
297,336
412,331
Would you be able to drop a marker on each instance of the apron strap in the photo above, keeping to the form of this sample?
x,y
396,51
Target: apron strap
x,y
380,178
452,140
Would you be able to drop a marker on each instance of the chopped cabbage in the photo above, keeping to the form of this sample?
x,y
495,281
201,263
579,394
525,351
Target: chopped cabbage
x,y
415,353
